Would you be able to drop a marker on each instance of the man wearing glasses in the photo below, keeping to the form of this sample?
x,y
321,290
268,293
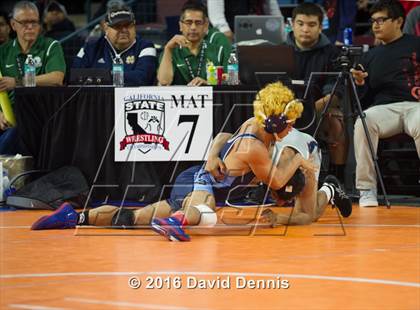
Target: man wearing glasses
x,y
186,55
388,77
138,55
47,53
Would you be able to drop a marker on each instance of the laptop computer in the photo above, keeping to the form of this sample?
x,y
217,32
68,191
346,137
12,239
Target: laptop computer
x,y
259,27
262,64
90,76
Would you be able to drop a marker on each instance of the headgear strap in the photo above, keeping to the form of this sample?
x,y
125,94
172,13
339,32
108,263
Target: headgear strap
x,y
278,122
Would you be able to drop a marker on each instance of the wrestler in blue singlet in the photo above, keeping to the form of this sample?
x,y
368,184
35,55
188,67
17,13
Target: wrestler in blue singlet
x,y
196,178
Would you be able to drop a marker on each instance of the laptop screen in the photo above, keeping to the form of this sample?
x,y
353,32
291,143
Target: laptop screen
x,y
90,76
262,64
259,28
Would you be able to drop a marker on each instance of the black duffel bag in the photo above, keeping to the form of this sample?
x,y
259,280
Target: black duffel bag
x,y
51,189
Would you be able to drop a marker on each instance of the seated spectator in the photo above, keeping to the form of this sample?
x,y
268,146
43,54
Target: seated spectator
x,y
186,55
49,62
412,22
222,12
99,30
341,14
390,79
217,38
4,27
57,25
315,53
138,55
408,5
362,18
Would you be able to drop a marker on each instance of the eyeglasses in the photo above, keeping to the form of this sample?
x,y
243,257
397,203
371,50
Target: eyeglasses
x,y
28,23
190,22
379,20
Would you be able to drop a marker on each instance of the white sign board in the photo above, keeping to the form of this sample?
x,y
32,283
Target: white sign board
x,y
163,123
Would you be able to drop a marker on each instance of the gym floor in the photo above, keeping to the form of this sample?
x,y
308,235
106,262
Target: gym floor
x,y
374,263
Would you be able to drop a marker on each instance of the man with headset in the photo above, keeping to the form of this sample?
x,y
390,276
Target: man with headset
x,y
246,156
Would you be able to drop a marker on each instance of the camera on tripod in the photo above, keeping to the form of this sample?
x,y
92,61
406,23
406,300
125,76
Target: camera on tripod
x,y
349,56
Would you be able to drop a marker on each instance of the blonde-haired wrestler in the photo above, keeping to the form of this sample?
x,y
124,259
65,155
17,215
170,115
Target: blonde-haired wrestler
x,y
309,202
195,193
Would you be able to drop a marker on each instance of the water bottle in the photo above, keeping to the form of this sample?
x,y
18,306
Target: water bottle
x,y
348,36
288,28
325,22
29,72
233,70
118,72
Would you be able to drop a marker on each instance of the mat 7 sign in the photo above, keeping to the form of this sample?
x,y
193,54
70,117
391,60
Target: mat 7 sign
x,y
163,123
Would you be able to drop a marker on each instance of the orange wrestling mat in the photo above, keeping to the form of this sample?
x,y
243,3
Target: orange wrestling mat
x,y
375,265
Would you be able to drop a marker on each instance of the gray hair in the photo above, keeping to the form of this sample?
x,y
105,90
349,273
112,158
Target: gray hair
x,y
24,5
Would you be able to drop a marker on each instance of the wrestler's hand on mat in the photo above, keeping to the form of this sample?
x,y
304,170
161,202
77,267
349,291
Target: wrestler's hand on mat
x,y
197,81
268,217
216,167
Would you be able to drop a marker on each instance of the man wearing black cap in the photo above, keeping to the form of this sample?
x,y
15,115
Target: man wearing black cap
x,y
138,55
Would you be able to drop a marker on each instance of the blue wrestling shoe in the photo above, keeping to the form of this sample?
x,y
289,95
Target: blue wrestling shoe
x,y
339,198
170,228
62,218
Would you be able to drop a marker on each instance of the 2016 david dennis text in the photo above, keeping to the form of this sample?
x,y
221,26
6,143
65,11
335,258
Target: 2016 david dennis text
x,y
227,282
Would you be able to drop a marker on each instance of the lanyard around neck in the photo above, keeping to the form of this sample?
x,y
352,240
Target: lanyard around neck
x,y
20,66
200,62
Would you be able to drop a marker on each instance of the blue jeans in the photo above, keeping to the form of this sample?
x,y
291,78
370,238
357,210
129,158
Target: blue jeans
x,y
9,142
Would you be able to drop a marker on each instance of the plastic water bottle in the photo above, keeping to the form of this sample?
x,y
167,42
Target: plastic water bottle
x,y
118,72
233,70
325,22
348,36
29,72
288,28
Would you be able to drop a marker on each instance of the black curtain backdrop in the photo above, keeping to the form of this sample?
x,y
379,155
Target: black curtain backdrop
x,y
81,133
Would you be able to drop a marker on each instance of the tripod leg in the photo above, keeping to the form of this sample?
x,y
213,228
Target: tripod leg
x,y
369,140
324,111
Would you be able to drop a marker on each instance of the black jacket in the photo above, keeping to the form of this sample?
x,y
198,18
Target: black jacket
x,y
319,58
61,29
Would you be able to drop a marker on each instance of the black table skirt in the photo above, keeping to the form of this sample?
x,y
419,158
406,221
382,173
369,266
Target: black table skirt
x,y
75,126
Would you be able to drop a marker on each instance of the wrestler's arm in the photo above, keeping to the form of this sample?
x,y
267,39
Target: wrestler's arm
x,y
214,163
259,160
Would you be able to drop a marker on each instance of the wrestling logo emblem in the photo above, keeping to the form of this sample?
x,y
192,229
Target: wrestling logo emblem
x,y
145,126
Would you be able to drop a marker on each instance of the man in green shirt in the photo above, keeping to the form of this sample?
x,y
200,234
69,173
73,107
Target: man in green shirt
x,y
185,56
217,38
47,53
